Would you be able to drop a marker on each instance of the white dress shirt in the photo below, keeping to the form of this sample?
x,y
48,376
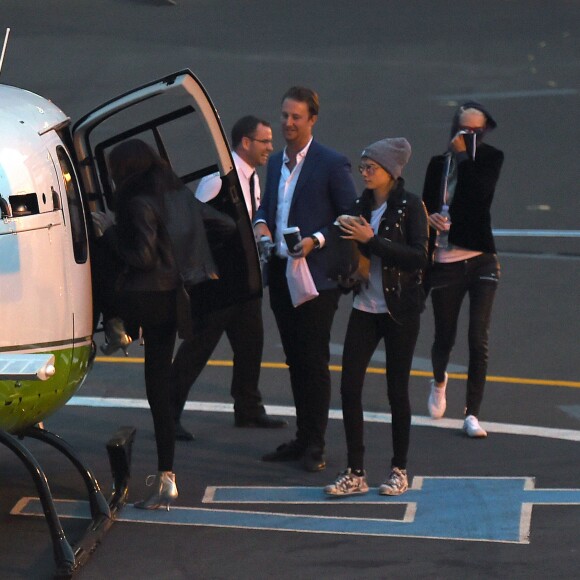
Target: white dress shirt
x,y
286,186
210,185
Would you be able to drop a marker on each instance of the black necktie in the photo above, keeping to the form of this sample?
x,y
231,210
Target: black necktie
x,y
253,195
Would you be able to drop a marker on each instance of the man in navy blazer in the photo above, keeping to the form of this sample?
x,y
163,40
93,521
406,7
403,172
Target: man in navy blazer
x,y
307,185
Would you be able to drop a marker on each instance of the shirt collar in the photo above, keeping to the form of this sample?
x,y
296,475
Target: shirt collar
x,y
300,155
244,168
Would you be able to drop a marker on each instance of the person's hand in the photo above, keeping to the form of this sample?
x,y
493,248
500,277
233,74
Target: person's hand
x,y
260,230
458,144
302,248
101,222
438,222
356,228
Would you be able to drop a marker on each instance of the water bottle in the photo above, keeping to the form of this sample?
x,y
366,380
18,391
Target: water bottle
x,y
442,241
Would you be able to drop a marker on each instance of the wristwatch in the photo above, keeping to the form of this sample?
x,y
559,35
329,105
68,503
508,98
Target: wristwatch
x,y
316,242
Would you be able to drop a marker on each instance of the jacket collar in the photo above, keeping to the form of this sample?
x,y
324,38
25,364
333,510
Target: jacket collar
x,y
396,196
307,169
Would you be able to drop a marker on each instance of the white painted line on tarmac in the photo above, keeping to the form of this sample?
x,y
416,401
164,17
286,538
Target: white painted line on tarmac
x,y
509,95
537,233
285,411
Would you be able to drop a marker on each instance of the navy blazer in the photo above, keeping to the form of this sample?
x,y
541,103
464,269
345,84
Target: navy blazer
x,y
325,190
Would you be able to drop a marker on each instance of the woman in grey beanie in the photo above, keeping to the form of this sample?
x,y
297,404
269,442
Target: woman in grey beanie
x,y
390,226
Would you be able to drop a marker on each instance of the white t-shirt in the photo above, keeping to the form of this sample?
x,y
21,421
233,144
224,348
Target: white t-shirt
x,y
286,186
371,297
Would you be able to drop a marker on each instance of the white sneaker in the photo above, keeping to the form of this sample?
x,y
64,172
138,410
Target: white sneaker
x,y
347,483
437,402
472,427
396,483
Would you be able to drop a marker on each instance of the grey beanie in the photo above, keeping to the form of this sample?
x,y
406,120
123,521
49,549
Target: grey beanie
x,y
391,154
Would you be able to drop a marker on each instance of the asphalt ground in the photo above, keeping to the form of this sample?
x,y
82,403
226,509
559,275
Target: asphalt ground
x,y
382,69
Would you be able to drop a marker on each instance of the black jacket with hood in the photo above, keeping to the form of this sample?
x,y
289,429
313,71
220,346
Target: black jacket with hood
x,y
471,203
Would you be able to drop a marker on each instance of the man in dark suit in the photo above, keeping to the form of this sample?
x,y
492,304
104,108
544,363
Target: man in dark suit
x,y
308,186
242,322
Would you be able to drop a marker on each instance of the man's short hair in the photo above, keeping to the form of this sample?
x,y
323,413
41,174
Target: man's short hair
x,y
304,95
246,127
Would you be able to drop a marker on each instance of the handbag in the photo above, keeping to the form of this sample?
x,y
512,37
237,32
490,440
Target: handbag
x,y
345,263
341,256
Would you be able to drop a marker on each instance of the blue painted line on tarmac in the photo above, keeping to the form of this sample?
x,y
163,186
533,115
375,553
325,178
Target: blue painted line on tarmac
x,y
492,509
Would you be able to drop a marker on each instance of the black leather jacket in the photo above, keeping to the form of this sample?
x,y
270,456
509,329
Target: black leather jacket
x,y
401,243
170,243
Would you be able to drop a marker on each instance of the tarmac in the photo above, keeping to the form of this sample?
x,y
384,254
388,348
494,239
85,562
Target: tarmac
x,y
503,507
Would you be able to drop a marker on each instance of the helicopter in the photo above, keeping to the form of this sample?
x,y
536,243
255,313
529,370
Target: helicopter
x,y
53,175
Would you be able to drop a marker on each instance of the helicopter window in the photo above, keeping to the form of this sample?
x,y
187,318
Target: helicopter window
x,y
179,136
75,205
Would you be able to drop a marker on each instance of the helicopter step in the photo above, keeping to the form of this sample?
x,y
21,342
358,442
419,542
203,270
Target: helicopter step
x,y
69,559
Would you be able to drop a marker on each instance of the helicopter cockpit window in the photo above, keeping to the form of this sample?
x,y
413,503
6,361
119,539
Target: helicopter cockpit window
x,y
75,205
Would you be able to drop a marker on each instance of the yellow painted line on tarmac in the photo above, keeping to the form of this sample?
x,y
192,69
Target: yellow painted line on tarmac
x,y
371,370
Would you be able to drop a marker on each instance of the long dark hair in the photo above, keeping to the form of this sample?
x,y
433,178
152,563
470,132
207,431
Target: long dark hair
x,y
137,170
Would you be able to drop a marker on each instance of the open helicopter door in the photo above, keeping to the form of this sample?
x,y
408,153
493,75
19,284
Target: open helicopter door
x,y
177,118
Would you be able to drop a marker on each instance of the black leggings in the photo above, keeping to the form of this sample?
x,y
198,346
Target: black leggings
x,y
362,337
155,313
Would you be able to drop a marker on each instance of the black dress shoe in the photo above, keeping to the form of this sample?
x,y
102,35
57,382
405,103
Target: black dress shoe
x,y
313,460
182,434
263,420
285,452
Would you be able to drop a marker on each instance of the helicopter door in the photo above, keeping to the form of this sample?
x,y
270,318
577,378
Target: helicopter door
x,y
177,118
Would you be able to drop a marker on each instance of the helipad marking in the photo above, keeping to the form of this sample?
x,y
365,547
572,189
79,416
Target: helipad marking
x,y
492,509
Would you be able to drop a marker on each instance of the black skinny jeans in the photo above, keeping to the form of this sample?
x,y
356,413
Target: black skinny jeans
x,y
155,313
479,278
363,334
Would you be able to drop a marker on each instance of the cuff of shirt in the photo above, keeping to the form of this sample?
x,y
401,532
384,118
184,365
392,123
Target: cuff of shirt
x,y
320,238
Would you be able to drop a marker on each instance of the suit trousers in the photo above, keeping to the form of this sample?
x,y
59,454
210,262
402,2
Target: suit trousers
x,y
243,326
305,334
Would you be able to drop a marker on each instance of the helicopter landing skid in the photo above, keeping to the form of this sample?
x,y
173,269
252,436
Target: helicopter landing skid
x,y
69,559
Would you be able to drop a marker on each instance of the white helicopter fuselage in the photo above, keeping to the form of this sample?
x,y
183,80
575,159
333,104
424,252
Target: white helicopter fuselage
x,y
45,272
45,279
